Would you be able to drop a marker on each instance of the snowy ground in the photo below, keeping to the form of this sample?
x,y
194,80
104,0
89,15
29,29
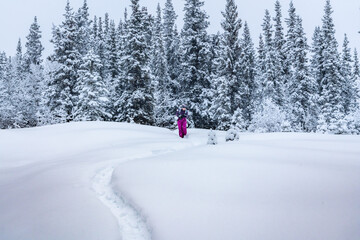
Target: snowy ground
x,y
113,181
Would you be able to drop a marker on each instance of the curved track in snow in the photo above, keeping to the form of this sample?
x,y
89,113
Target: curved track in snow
x,y
132,225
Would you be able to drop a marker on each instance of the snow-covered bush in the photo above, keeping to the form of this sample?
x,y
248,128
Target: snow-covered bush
x,y
212,139
286,126
353,122
267,118
341,124
231,135
238,122
338,126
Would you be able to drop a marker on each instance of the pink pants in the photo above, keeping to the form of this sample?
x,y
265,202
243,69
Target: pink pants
x,y
182,127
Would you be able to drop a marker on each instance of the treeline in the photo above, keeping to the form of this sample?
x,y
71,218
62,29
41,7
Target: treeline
x,y
142,68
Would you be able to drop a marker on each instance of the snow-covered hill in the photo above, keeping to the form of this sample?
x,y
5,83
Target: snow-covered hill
x,y
121,181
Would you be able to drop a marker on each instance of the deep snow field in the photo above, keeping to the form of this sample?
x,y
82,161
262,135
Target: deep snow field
x,y
112,181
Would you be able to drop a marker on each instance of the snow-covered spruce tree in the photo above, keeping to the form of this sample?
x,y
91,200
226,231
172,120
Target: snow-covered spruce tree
x,y
44,114
111,70
94,34
302,86
247,70
356,75
271,79
171,44
353,119
136,103
111,52
290,42
93,95
279,41
165,103
84,29
148,26
106,24
63,97
238,122
228,93
34,76
100,46
349,92
316,59
21,94
119,85
260,71
6,107
221,109
194,80
16,90
331,80
213,69
33,45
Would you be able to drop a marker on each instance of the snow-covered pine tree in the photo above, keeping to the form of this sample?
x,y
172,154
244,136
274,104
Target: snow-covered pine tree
x,y
33,45
171,44
356,74
247,72
93,95
316,58
213,67
290,42
100,47
94,34
332,82
148,24
34,76
19,94
44,114
15,90
84,29
111,52
349,88
117,90
302,86
194,80
111,71
229,95
7,110
353,118
137,101
221,108
215,48
279,41
63,97
271,82
106,24
164,103
260,72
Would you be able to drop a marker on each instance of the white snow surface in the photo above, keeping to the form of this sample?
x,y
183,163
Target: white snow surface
x,y
111,181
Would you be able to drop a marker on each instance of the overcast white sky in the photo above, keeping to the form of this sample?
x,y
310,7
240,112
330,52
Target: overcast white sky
x,y
17,15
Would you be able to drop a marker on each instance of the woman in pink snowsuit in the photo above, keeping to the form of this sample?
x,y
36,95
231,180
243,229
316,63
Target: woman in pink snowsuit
x,y
182,115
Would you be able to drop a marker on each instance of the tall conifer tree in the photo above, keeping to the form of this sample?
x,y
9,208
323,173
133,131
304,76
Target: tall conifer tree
x,y
195,84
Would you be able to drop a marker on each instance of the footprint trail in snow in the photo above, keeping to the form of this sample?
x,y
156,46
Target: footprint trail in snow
x,y
132,225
